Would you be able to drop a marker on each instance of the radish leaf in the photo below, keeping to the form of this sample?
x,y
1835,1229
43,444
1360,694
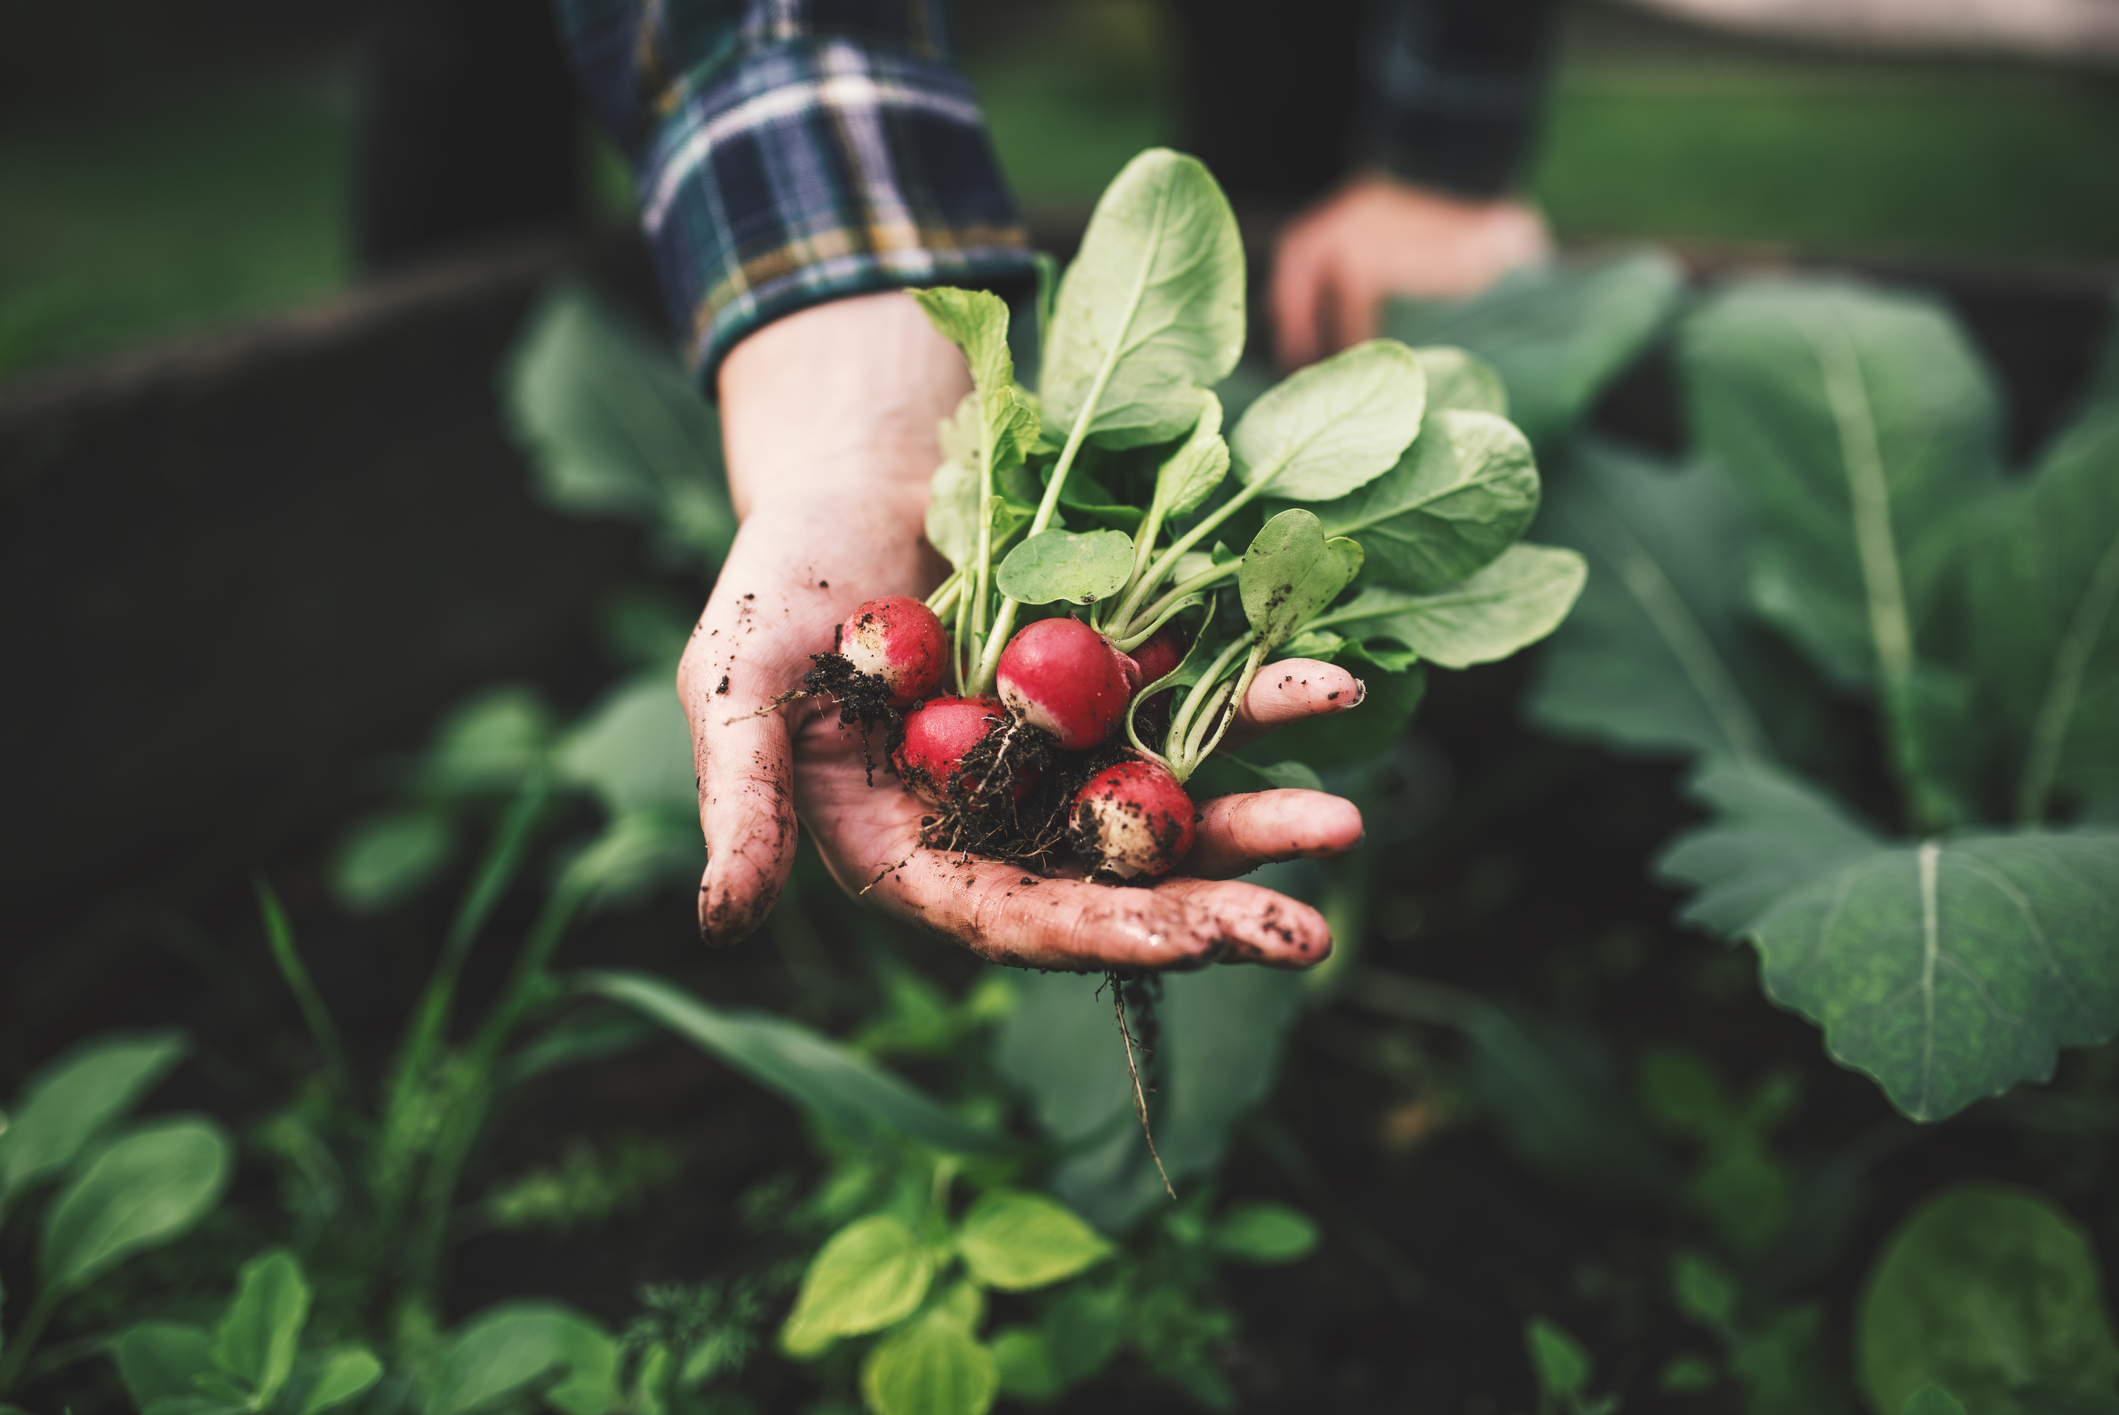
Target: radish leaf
x,y
1512,603
1461,494
1189,475
1063,565
1333,426
1151,309
1290,573
1461,380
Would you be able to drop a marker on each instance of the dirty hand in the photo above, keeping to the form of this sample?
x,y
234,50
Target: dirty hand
x,y
829,421
1377,236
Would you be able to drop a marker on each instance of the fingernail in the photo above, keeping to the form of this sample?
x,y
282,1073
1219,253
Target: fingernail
x,y
1361,691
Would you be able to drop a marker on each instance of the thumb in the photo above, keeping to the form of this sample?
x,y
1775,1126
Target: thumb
x,y
751,645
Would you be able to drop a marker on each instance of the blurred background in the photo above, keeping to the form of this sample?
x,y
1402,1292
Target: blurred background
x,y
171,166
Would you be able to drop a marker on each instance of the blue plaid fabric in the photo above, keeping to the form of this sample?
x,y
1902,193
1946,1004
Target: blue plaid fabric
x,y
790,152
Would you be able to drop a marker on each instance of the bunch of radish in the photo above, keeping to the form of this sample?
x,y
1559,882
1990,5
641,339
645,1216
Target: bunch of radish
x,y
1100,628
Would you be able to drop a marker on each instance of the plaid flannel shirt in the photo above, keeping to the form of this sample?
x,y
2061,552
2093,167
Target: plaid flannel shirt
x,y
789,152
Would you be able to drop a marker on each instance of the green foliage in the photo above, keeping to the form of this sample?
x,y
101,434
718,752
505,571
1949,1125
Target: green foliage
x,y
1556,334
72,1099
1850,504
614,426
1462,493
1062,565
1931,1399
1265,1235
1991,1292
586,1188
387,859
1333,427
1291,572
1015,1241
930,1366
871,1275
147,1187
1152,308
1517,600
250,1361
1563,1367
1949,969
510,1348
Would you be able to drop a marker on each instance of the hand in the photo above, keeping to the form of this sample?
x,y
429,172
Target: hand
x,y
829,421
1377,236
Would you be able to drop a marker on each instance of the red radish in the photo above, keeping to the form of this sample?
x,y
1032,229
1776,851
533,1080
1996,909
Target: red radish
x,y
1063,676
899,642
1161,654
937,735
1133,820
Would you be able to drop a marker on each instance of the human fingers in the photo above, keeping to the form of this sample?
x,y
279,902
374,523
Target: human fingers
x,y
1009,915
1297,295
1290,690
1356,298
750,647
1237,834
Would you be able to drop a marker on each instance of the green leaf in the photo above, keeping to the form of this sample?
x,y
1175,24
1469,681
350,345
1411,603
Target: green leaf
x,y
614,427
341,1375
1062,565
148,1187
1334,426
157,1360
1152,305
639,851
1016,1241
841,1087
1082,1328
1862,428
976,321
1290,572
952,522
1931,1399
1986,1289
1656,655
387,859
1688,1373
262,1328
930,1367
1461,495
1265,1235
1024,1364
1704,1292
634,749
871,1273
1463,381
2045,616
1948,969
1560,1363
505,1349
1557,334
488,745
1191,474
1788,1367
69,1100
1512,603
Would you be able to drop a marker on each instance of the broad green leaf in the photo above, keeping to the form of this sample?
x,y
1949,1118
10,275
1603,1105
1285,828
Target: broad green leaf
x,y
341,1375
1152,306
1016,1241
1266,1235
1560,1363
841,1087
1334,426
1082,1328
387,859
1557,334
1461,381
1514,602
634,749
1948,969
1191,474
1987,1289
262,1328
976,321
1788,1366
505,1349
1023,1364
1290,572
1863,430
614,427
149,1186
488,744
1705,1292
931,1366
952,522
640,851
1931,1399
157,1360
69,1100
1655,656
1063,565
1462,494
2045,613
871,1273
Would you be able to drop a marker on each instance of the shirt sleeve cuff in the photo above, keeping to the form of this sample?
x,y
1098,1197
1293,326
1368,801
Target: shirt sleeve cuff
x,y
814,169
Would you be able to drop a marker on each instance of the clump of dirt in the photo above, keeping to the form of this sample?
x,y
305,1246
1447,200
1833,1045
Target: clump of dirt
x,y
864,700
985,816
